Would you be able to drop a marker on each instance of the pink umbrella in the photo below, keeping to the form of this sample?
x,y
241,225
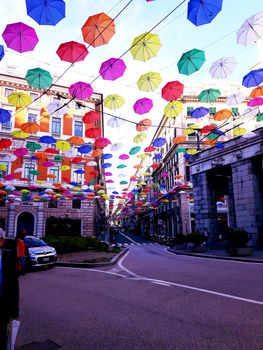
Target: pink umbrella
x,y
144,105
80,90
20,152
20,37
258,101
109,181
172,90
102,142
108,173
112,69
72,51
48,164
124,156
9,177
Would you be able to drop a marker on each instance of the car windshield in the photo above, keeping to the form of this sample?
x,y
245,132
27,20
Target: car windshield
x,y
34,242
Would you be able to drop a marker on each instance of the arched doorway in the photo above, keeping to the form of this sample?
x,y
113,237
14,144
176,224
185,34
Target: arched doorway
x,y
26,221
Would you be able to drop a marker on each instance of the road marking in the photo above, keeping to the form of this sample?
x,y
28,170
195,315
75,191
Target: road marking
x,y
162,284
130,239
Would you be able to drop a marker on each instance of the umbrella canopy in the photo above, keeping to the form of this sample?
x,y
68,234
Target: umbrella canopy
x,y
20,152
5,115
143,105
201,12
179,139
47,139
145,46
30,127
143,125
115,122
33,146
114,101
116,147
209,95
72,52
257,101
124,156
257,92
80,90
18,134
85,149
134,150
235,99
76,140
253,78
251,30
91,117
159,142
98,29
19,99
63,145
207,129
57,108
112,69
173,109
239,131
38,78
106,156
46,12
20,37
251,112
191,61
93,133
5,143
223,67
149,81
172,90
199,112
2,52
102,142
139,138
222,115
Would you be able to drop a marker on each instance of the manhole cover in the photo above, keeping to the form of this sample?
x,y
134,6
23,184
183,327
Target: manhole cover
x,y
45,345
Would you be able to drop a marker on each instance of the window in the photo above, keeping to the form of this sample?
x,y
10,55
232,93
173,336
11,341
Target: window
x,y
32,117
28,167
34,96
55,172
235,112
189,110
4,171
7,125
76,203
212,111
192,136
56,126
77,177
8,91
78,128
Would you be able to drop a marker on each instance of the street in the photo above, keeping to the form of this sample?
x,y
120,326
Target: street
x,y
151,299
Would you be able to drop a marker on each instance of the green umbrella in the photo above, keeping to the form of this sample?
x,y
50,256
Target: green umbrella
x,y
58,157
38,78
134,150
259,117
209,95
180,149
121,166
191,61
34,172
123,182
212,136
33,146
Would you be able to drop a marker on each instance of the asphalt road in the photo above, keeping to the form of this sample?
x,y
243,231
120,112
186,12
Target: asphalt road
x,y
151,299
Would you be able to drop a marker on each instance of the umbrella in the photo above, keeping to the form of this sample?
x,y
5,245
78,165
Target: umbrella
x,y
98,29
179,139
149,81
207,129
115,122
142,106
33,146
235,99
253,78
77,160
191,61
157,156
47,139
38,78
91,163
112,69
2,52
57,108
76,140
149,149
140,137
20,152
209,95
172,90
116,147
257,101
201,12
19,99
10,158
124,156
93,133
145,46
159,142
257,92
143,125
63,145
199,112
222,115
51,150
102,142
106,156
30,127
85,149
259,117
251,112
106,165
173,109
121,166
20,37
239,131
114,101
80,90
5,115
223,67
46,12
91,117
48,164
18,134
72,52
251,30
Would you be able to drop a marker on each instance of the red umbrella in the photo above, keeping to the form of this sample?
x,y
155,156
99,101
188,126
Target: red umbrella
x,y
98,29
102,142
5,143
93,133
144,105
76,160
112,69
51,150
72,52
91,117
143,125
80,90
207,129
172,90
20,37
149,149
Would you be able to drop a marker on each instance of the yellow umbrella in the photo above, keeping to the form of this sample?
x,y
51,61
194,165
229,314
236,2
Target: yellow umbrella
x,y
114,101
191,151
146,173
149,81
24,191
19,134
63,145
145,46
3,167
19,99
173,109
142,156
64,167
239,131
140,137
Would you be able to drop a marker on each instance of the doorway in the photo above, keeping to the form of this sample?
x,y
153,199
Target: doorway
x,y
26,221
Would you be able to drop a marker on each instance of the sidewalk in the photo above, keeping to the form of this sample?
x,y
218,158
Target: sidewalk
x,y
257,257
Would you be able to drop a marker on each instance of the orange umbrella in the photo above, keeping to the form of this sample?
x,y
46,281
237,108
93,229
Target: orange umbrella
x,y
222,115
51,176
138,166
211,142
257,92
30,127
98,29
76,140
143,125
97,152
179,139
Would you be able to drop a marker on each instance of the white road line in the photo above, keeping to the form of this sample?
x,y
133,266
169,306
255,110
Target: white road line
x,y
162,284
130,239
91,270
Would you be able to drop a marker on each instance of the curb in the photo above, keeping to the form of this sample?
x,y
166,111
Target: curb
x,y
216,256
88,265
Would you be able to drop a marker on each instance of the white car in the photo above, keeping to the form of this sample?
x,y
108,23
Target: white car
x,y
39,253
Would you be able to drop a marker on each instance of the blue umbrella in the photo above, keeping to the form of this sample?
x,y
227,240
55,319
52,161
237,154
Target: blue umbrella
x,y
47,139
218,132
79,171
106,156
220,145
5,115
106,165
199,112
2,52
157,156
46,12
73,183
159,142
84,149
201,12
253,78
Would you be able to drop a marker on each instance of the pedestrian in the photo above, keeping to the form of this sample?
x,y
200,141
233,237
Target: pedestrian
x,y
21,252
9,287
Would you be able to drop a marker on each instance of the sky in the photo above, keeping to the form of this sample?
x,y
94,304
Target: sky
x,y
177,35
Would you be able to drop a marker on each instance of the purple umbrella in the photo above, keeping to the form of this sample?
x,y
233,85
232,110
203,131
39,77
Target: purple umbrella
x,y
124,156
253,78
2,52
199,112
80,90
20,37
144,105
112,69
257,101
159,142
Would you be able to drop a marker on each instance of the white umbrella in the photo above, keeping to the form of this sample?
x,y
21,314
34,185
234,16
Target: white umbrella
x,y
10,157
251,112
10,188
223,67
115,122
251,30
91,163
57,108
116,147
72,152
249,135
122,175
235,99
18,170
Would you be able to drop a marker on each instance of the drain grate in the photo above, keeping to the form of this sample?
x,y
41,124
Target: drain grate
x,y
45,345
